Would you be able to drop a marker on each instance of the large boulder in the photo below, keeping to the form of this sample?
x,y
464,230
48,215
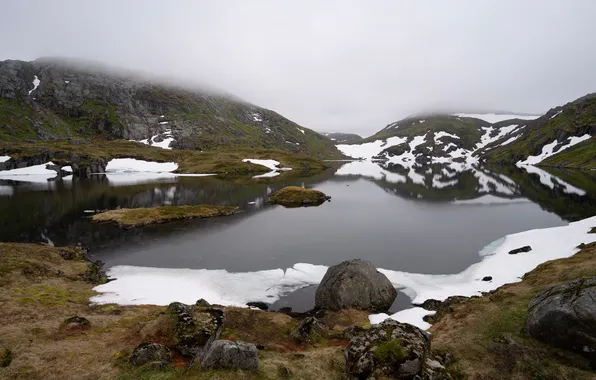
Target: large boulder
x,y
389,349
565,316
225,354
152,355
355,284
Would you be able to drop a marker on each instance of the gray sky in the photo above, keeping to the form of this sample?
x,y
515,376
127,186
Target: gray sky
x,y
351,66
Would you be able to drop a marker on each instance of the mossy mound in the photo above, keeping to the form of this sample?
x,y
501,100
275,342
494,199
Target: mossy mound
x,y
294,196
137,217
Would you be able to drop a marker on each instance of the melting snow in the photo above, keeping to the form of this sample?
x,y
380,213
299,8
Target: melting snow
x,y
163,122
126,165
30,170
555,115
301,130
257,117
36,83
547,150
269,164
370,149
67,81
4,158
164,144
441,134
495,118
512,139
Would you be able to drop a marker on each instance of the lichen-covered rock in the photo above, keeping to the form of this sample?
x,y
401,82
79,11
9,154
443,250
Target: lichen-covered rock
x,y
5,357
294,196
565,316
225,354
95,273
75,323
308,330
194,329
355,284
389,349
152,355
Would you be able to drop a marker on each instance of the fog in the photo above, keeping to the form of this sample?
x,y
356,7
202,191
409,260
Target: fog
x,y
351,66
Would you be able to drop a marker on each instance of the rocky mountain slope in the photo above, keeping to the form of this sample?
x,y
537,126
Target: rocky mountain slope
x,y
563,137
339,137
53,99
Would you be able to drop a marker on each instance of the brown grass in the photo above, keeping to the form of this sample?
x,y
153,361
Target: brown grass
x,y
486,334
297,196
136,217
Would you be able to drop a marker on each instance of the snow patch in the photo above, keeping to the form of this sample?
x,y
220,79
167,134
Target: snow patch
x,y
551,181
301,130
30,170
547,150
555,115
495,118
489,199
370,149
369,169
127,165
4,158
36,83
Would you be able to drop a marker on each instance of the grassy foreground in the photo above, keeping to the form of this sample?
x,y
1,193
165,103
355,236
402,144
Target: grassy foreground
x,y
136,217
485,334
226,162
40,289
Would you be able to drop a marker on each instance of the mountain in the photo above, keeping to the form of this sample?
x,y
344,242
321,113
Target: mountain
x,y
563,137
56,99
338,137
432,137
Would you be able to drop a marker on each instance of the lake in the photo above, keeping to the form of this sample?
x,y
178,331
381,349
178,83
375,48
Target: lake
x,y
432,219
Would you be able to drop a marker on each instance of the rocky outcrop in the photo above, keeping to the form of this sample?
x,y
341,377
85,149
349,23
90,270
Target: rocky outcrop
x,y
294,196
355,284
565,316
152,355
308,330
75,323
389,349
523,249
225,354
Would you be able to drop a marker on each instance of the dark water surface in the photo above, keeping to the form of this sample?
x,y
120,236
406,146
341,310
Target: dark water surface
x,y
402,226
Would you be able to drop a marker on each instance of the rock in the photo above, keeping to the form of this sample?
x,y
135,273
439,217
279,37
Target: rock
x,y
389,349
285,310
355,284
527,248
565,316
284,372
487,278
75,323
152,355
95,273
225,354
5,357
202,303
258,305
194,329
308,330
294,196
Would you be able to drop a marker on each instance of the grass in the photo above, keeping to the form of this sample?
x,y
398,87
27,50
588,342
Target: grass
x,y
391,350
485,335
293,196
582,156
224,162
137,217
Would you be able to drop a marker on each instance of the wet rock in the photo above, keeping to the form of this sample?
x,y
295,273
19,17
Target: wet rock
x,y
308,330
194,329
487,278
95,273
565,316
5,357
355,284
152,355
258,305
75,323
285,310
526,248
389,349
225,354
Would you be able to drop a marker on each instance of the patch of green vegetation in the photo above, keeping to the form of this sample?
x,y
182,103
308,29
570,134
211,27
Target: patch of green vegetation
x,y
582,156
391,351
293,196
51,296
16,120
136,217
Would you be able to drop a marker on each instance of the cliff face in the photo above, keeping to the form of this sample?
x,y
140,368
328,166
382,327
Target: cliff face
x,y
51,99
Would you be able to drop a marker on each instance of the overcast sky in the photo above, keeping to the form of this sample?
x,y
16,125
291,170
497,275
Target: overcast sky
x,y
350,66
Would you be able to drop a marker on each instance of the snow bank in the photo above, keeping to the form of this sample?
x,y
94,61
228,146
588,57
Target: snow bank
x,y
30,170
4,158
495,118
370,149
489,199
126,165
269,164
159,286
547,150
547,244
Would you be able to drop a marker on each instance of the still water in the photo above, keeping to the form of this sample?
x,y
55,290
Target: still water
x,y
421,221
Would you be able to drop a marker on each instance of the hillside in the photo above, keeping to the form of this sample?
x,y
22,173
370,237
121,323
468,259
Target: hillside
x,y
563,137
346,138
52,99
432,137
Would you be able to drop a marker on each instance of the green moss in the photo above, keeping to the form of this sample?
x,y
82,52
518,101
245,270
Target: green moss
x,y
391,350
52,296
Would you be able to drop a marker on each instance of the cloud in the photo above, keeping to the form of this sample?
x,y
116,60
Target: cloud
x,y
351,66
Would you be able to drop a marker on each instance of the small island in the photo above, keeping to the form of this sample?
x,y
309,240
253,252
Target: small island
x,y
294,196
137,217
